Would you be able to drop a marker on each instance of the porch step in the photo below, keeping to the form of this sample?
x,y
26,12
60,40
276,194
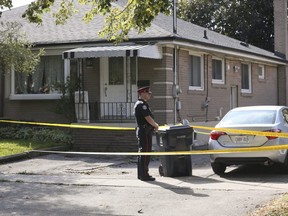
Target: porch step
x,y
89,140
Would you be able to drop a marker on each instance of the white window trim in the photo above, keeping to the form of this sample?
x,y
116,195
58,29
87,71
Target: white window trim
x,y
35,96
262,76
250,81
222,81
201,87
53,96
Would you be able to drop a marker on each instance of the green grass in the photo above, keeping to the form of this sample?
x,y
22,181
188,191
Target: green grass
x,y
10,147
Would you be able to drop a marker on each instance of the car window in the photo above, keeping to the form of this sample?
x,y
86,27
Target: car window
x,y
250,117
285,115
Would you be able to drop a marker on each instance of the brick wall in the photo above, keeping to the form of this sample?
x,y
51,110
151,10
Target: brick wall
x,y
160,75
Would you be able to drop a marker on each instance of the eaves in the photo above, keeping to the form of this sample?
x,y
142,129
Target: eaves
x,y
177,41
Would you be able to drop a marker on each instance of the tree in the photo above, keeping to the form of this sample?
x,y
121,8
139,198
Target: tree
x,y
5,4
16,50
247,20
135,14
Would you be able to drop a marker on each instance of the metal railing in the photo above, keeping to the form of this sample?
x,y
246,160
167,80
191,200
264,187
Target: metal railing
x,y
105,111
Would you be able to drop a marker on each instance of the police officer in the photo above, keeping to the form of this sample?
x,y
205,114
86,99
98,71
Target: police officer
x,y
145,127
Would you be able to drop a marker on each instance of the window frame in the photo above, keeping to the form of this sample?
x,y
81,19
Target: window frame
x,y
249,90
201,87
262,75
50,96
222,80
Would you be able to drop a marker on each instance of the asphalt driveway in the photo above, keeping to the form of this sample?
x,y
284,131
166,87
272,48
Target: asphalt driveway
x,y
104,185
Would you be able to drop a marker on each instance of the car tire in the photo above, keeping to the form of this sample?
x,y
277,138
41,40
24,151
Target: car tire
x,y
218,168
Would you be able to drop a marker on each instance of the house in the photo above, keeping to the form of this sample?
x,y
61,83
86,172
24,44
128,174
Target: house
x,y
194,73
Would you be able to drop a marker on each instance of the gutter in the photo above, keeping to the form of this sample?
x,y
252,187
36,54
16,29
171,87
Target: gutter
x,y
228,51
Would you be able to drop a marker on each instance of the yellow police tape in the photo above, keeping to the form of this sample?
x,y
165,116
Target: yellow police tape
x,y
195,152
247,132
222,151
68,125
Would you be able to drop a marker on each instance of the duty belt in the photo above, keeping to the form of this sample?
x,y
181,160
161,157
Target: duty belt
x,y
145,126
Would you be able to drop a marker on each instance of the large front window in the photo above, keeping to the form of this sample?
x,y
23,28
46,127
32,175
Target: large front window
x,y
46,78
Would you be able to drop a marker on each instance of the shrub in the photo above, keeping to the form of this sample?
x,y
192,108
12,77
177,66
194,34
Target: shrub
x,y
37,134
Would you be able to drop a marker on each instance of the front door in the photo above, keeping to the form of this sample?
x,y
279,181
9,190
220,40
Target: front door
x,y
117,87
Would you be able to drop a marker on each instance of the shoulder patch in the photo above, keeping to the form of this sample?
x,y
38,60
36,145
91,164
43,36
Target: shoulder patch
x,y
144,107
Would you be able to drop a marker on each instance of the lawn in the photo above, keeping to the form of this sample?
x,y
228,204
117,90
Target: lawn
x,y
10,147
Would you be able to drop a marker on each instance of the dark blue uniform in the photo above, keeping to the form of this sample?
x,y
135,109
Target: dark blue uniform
x,y
144,135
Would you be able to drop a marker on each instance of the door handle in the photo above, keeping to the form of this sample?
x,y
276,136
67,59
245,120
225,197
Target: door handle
x,y
105,90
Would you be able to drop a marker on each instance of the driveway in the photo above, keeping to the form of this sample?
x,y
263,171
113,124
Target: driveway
x,y
104,185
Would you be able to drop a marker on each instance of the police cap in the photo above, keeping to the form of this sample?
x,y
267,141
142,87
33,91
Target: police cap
x,y
144,89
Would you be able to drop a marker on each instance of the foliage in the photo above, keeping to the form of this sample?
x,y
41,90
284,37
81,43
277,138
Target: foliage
x,y
136,14
246,20
16,50
5,4
36,134
66,104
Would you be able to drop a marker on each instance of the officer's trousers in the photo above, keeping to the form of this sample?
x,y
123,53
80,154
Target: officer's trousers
x,y
145,145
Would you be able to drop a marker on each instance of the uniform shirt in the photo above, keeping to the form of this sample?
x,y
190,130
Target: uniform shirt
x,y
141,110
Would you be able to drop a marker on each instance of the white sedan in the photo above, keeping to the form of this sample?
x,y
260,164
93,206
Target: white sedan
x,y
252,118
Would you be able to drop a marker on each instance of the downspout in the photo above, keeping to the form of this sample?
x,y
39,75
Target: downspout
x,y
207,92
175,60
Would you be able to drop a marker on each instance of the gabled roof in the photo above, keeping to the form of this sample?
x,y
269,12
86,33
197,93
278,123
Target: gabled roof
x,y
76,31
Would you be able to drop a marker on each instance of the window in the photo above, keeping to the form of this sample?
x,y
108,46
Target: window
x,y
250,117
218,71
116,71
261,72
44,80
246,78
285,115
197,76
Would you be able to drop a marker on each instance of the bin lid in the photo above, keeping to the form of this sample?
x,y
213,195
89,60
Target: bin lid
x,y
173,127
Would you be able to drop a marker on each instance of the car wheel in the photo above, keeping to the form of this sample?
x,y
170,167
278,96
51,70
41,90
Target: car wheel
x,y
218,168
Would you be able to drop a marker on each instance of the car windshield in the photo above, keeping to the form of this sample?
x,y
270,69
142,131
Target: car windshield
x,y
250,117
